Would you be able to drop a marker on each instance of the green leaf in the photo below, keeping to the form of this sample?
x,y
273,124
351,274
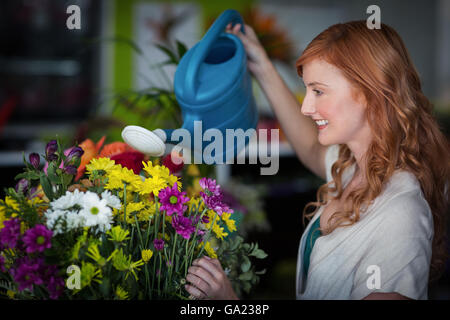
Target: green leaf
x,y
172,58
246,276
246,264
46,186
258,253
182,49
29,175
105,287
51,174
260,272
237,242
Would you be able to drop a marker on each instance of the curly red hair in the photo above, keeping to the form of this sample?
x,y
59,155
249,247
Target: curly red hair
x,y
406,135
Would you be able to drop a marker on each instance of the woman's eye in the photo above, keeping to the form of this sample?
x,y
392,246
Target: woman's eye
x,y
317,92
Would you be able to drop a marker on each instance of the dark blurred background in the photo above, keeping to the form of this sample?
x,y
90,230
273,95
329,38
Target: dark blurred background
x,y
57,81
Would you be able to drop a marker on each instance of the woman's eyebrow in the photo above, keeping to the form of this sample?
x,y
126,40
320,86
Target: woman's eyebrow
x,y
316,83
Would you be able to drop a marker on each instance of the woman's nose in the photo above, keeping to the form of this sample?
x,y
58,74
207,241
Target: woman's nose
x,y
308,106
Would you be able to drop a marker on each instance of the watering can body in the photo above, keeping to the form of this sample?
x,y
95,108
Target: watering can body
x,y
212,85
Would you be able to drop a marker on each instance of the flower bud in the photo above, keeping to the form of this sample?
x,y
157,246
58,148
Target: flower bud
x,y
50,149
22,186
70,170
34,160
74,153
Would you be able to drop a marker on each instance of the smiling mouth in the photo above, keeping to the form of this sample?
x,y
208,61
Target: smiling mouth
x,y
321,124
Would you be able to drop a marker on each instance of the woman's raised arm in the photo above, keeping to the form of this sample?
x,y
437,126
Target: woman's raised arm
x,y
300,130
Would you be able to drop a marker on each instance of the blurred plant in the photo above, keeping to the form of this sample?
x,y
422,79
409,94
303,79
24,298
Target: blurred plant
x,y
273,38
248,204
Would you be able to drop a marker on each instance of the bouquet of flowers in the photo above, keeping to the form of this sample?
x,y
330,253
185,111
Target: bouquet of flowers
x,y
112,233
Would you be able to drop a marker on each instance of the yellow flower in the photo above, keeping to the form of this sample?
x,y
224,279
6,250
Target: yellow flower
x,y
192,170
120,176
231,224
209,249
121,293
95,255
10,294
123,263
211,214
100,164
135,207
153,185
195,203
218,230
118,234
10,202
146,255
2,216
89,273
166,236
161,172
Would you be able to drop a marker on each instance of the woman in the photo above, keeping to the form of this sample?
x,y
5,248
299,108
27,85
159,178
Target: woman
x,y
367,129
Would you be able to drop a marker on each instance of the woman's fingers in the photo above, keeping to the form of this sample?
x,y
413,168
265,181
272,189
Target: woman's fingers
x,y
195,292
198,282
207,275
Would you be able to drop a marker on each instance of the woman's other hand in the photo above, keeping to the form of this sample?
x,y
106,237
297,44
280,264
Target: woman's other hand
x,y
207,280
257,56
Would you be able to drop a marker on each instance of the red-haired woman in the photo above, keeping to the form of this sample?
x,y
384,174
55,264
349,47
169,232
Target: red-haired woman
x,y
378,228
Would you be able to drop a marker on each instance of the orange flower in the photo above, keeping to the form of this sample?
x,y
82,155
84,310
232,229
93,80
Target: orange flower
x,y
91,150
115,148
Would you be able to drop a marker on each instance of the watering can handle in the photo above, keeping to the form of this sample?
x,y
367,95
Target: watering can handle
x,y
205,45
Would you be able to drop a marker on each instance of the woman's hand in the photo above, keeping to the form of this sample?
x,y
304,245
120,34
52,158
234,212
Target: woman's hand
x,y
257,56
207,280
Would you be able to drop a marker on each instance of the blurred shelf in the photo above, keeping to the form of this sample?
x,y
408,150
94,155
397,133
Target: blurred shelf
x,y
252,150
34,67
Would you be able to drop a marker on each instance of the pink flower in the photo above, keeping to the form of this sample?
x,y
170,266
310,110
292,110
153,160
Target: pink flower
x,y
183,226
37,239
173,200
9,235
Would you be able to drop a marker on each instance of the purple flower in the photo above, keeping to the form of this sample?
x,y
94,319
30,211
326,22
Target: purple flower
x,y
215,203
70,170
212,197
55,286
54,283
22,186
158,244
210,185
37,239
34,159
9,235
50,149
183,226
73,153
173,200
28,273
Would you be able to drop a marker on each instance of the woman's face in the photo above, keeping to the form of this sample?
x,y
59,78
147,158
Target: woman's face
x,y
330,97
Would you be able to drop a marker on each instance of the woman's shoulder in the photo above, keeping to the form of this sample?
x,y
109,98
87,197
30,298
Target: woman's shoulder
x,y
403,208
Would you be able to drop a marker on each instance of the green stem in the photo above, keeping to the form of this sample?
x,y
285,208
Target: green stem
x,y
159,276
191,250
147,282
125,204
171,260
207,236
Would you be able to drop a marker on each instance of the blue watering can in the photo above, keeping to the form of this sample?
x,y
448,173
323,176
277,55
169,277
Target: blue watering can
x,y
214,90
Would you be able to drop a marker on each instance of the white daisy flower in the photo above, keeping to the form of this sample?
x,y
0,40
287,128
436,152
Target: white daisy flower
x,y
60,221
67,201
111,200
95,212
